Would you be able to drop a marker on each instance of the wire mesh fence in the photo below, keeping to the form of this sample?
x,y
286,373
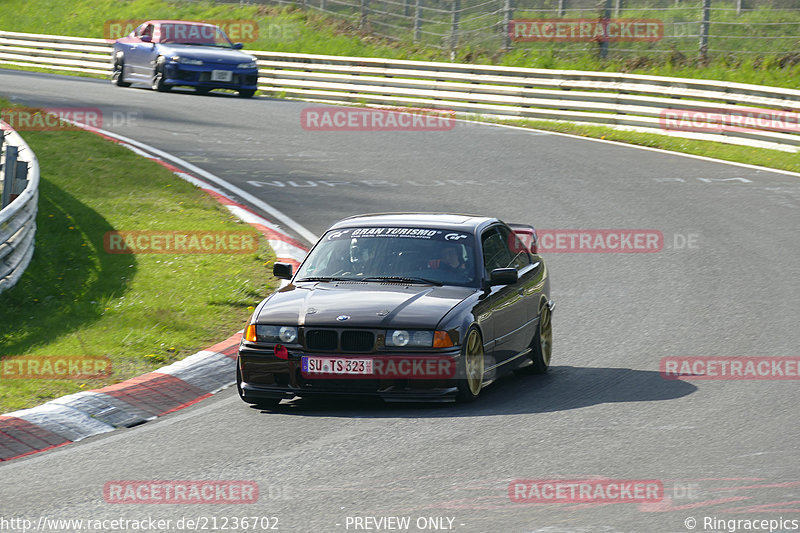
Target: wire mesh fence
x,y
610,28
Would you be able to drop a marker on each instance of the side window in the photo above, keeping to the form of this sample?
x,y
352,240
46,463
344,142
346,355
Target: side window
x,y
520,259
495,251
144,29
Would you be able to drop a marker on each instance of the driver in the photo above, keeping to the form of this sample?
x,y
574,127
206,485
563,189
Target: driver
x,y
450,260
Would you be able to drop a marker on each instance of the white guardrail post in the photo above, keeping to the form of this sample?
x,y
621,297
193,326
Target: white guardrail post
x,y
735,113
19,179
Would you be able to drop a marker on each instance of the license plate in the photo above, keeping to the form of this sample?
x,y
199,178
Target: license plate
x,y
336,365
221,75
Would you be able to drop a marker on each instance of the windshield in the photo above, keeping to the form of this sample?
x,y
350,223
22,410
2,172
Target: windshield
x,y
423,255
197,34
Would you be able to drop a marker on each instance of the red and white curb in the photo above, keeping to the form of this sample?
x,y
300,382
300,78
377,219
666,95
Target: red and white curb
x,y
143,398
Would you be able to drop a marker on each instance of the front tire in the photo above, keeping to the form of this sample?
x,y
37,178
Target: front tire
x,y
158,77
117,75
472,351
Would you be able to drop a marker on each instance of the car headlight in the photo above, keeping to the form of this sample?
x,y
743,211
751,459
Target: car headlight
x,y
249,64
277,334
403,337
186,60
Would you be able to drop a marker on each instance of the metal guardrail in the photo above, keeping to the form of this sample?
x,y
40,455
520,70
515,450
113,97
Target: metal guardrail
x,y
629,101
633,101
19,172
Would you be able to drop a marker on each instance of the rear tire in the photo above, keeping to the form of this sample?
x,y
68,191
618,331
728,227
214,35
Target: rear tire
x,y
472,351
542,345
247,93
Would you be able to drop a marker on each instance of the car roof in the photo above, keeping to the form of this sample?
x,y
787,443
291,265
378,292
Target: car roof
x,y
193,22
417,220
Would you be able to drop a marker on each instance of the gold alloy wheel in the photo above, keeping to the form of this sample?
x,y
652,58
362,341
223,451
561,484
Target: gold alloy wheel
x,y
473,361
546,335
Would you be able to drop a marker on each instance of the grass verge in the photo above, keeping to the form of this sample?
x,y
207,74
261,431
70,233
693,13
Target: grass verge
x,y
141,310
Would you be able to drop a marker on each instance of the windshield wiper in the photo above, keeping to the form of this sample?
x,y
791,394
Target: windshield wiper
x,y
326,278
408,279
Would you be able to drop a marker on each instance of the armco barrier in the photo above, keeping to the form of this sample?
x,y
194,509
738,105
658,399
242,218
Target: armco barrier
x,y
630,101
17,218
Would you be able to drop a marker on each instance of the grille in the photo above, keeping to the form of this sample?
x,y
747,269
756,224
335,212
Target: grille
x,y
351,340
357,341
321,339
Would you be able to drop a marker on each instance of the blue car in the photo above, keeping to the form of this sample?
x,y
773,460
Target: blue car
x,y
166,53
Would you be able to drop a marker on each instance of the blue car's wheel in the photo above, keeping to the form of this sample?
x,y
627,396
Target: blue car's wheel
x,y
117,75
158,77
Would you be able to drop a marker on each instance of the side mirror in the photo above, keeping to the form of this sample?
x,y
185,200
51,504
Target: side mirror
x,y
238,46
503,276
282,270
146,38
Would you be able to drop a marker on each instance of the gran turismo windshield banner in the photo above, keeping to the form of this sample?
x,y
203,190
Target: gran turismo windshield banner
x,y
395,232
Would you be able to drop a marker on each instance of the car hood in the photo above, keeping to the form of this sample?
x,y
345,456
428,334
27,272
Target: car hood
x,y
369,305
208,54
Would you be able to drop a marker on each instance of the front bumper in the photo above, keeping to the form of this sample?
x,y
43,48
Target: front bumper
x,y
264,376
200,76
392,394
